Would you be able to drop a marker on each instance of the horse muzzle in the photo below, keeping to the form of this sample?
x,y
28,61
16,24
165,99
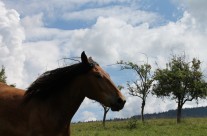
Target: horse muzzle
x,y
118,105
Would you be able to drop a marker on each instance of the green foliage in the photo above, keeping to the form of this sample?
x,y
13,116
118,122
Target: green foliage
x,y
153,127
144,81
132,123
2,75
140,87
181,80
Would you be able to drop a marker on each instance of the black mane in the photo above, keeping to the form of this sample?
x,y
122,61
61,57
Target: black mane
x,y
52,82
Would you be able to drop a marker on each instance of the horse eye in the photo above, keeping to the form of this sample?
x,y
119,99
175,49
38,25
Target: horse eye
x,y
98,76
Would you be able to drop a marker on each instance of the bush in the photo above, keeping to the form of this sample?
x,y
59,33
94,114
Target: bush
x,y
132,123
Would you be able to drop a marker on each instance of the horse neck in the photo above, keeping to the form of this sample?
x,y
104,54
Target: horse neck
x,y
54,115
70,100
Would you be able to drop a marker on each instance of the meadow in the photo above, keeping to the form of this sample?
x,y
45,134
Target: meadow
x,y
152,127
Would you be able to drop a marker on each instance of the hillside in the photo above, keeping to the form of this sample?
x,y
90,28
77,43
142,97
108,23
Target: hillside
x,y
187,112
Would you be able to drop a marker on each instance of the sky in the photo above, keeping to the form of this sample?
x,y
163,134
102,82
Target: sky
x,y
35,35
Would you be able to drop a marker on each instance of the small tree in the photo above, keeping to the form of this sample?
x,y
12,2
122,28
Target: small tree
x,y
182,81
140,87
106,110
3,75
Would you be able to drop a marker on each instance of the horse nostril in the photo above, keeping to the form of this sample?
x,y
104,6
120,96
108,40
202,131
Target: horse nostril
x,y
121,101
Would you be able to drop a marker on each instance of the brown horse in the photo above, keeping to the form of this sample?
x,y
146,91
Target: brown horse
x,y
48,105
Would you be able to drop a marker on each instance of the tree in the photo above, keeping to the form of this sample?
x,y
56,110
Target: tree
x,y
106,109
182,81
140,87
2,75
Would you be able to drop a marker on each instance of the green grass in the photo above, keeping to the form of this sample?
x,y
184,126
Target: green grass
x,y
152,127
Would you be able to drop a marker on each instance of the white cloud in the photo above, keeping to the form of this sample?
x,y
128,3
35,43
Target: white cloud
x,y
88,116
36,31
11,38
127,14
55,8
197,9
40,57
113,39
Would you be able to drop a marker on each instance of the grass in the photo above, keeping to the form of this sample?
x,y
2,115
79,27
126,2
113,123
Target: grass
x,y
152,127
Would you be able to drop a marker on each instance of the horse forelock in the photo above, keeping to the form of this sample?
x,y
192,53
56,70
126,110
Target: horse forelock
x,y
52,82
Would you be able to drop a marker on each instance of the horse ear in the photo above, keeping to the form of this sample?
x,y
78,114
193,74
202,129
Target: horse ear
x,y
84,58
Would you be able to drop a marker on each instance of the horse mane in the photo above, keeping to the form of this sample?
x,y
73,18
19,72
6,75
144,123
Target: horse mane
x,y
52,82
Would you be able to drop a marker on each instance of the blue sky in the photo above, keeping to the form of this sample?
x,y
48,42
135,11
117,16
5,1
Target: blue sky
x,y
168,10
35,34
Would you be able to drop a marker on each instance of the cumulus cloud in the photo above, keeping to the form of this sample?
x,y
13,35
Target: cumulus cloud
x,y
114,39
197,9
11,38
27,49
88,116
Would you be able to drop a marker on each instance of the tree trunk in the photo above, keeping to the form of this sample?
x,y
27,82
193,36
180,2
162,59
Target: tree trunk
x,y
106,109
142,110
179,111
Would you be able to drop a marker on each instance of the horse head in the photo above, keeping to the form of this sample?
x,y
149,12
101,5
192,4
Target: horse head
x,y
99,86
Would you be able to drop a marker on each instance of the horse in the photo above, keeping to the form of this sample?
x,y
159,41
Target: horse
x,y
47,106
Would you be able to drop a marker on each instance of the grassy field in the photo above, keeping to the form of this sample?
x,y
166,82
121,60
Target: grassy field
x,y
152,127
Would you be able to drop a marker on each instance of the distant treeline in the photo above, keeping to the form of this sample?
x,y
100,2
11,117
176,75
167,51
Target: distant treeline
x,y
187,112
